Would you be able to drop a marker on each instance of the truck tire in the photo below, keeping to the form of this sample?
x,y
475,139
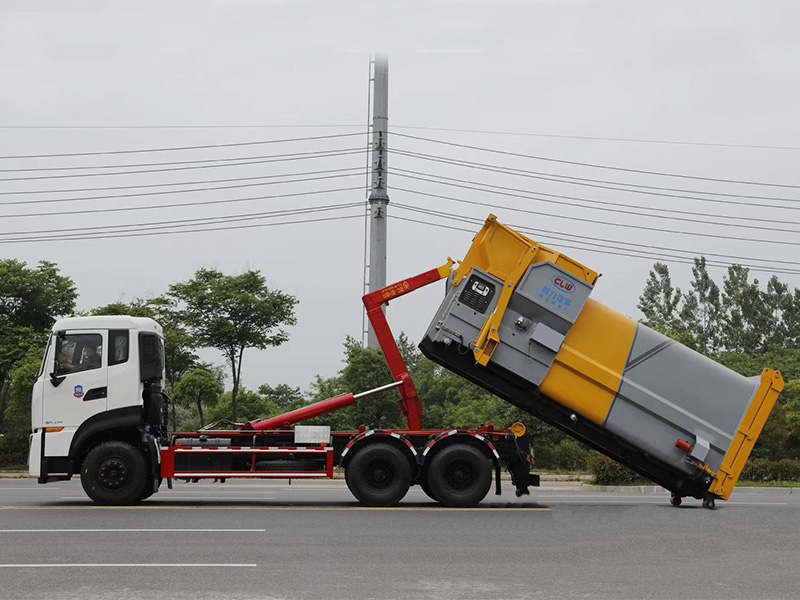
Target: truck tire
x,y
459,475
379,475
147,488
426,486
114,473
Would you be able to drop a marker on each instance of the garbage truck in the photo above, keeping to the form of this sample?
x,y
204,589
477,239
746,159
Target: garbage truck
x,y
517,320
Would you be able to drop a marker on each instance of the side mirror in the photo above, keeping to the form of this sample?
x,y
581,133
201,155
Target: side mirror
x,y
56,379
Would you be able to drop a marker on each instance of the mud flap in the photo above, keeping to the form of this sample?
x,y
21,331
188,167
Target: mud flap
x,y
520,464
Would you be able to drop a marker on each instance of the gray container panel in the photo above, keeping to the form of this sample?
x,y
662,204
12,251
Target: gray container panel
x,y
520,355
547,301
458,322
547,295
555,289
669,391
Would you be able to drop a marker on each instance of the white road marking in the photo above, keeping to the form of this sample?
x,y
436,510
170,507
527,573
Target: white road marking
x,y
131,530
153,506
199,497
26,489
159,565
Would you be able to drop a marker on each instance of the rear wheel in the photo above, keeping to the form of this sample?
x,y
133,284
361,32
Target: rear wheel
x,y
460,475
379,475
675,500
114,473
426,486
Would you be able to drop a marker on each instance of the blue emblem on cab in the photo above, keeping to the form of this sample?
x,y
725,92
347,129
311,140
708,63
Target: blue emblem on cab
x,y
78,393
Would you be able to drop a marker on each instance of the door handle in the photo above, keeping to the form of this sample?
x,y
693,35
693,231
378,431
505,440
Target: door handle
x,y
96,394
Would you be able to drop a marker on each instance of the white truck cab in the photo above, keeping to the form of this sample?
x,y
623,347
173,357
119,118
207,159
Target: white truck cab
x,y
99,386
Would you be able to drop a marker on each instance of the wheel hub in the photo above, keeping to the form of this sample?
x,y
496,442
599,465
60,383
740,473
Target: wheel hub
x,y
112,474
380,475
460,476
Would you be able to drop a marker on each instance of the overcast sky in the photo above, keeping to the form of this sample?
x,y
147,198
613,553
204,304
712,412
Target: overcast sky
x,y
712,73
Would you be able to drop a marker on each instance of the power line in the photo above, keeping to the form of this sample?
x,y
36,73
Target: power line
x,y
127,227
181,148
560,235
152,233
417,127
185,162
599,138
594,165
638,255
171,169
232,126
595,221
588,182
561,244
535,196
181,204
358,170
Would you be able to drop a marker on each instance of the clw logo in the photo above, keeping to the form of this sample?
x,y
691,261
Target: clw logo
x,y
564,284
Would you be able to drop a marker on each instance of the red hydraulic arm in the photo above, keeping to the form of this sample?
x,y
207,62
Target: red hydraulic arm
x,y
410,404
313,410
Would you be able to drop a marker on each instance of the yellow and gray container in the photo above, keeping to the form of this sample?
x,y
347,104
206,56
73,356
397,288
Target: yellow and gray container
x,y
517,319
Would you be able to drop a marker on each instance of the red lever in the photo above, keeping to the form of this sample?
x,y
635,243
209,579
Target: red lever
x,y
683,445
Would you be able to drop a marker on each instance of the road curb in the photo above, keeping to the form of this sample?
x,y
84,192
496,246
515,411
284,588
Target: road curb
x,y
15,475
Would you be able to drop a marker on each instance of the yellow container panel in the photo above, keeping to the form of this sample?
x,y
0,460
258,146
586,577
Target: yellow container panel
x,y
506,254
749,430
587,371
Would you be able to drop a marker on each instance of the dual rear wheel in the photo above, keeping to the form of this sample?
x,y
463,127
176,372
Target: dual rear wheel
x,y
458,475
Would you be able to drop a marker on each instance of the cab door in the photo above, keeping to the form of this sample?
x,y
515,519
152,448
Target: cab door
x,y
75,385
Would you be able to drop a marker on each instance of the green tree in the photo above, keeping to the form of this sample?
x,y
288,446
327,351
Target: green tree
x,y
790,318
747,318
252,406
31,299
791,394
659,300
702,310
778,299
34,298
285,397
233,313
198,388
14,443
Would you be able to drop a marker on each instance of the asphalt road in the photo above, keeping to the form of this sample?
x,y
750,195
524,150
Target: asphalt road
x,y
311,540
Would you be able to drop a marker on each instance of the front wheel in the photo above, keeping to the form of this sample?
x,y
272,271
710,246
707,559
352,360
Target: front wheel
x,y
114,473
460,475
379,475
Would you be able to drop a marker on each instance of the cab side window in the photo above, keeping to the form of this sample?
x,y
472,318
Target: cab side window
x,y
118,345
78,352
